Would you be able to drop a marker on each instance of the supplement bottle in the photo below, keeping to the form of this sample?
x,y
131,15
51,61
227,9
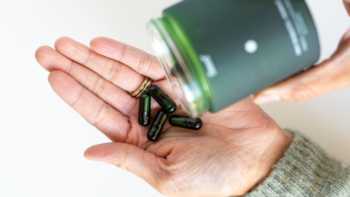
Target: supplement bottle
x,y
219,52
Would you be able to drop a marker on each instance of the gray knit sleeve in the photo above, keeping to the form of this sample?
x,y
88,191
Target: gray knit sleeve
x,y
305,170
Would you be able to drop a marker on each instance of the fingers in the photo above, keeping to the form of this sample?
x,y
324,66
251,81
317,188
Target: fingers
x,y
327,76
300,88
315,82
132,158
114,71
118,98
94,110
138,60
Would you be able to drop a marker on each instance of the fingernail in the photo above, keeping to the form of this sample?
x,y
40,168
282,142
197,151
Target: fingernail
x,y
92,154
88,156
263,99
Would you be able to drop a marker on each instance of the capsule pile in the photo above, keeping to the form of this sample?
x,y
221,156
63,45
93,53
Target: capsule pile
x,y
168,107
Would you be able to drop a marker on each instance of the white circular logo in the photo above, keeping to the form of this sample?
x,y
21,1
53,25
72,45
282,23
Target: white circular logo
x,y
251,46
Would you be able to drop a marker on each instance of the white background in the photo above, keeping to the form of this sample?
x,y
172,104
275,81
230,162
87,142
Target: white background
x,y
42,140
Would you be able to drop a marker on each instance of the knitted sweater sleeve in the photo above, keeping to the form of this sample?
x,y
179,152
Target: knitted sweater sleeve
x,y
305,170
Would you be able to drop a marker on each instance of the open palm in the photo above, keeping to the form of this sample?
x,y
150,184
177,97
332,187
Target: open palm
x,y
233,151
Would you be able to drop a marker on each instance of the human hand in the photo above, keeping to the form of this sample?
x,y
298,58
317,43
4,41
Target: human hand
x,y
332,74
347,5
232,153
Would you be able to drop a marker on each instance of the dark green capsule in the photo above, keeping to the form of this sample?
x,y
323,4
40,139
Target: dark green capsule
x,y
145,110
165,102
157,126
186,122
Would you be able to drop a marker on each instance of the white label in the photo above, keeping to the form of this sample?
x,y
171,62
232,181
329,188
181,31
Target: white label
x,y
209,65
295,24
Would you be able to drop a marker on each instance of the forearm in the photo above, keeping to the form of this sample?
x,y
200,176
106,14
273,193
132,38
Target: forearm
x,y
305,170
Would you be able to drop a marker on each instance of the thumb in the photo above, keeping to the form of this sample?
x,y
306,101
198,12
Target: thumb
x,y
301,87
327,76
324,78
132,158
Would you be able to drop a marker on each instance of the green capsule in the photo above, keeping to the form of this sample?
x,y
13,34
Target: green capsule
x,y
157,126
165,102
145,110
186,122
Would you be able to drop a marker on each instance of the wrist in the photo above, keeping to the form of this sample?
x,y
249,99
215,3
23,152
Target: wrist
x,y
304,170
275,151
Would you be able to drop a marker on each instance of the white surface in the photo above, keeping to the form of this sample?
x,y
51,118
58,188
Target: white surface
x,y
42,140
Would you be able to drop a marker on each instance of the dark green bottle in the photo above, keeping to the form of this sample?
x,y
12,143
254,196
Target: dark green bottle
x,y
218,52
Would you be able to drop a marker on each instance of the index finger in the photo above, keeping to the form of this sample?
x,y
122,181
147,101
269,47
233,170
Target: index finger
x,y
137,59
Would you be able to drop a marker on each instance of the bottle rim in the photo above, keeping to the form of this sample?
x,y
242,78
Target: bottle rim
x,y
176,69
